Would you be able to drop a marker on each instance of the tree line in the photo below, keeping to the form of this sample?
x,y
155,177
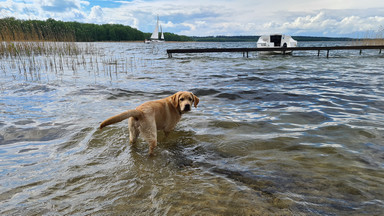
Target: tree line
x,y
12,29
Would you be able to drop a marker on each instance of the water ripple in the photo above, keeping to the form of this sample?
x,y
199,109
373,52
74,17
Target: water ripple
x,y
272,135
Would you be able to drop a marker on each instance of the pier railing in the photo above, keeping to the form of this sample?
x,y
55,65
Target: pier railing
x,y
283,50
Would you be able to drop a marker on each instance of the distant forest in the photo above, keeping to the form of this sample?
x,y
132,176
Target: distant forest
x,y
12,29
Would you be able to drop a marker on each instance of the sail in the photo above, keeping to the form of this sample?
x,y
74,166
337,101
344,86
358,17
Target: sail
x,y
162,34
155,34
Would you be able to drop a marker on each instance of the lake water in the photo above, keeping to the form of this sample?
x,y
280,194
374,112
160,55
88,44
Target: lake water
x,y
272,135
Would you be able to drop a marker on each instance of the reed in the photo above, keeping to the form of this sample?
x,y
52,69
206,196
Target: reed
x,y
27,38
43,66
371,38
34,53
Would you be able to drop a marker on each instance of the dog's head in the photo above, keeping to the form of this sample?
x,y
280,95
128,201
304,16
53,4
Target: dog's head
x,y
184,100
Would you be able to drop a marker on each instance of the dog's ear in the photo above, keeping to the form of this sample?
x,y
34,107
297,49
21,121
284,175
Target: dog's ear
x,y
175,99
195,100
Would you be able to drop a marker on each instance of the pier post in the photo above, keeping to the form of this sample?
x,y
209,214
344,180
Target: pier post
x,y
361,51
327,53
318,52
380,51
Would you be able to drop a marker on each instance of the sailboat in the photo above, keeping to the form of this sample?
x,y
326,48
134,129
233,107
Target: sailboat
x,y
155,34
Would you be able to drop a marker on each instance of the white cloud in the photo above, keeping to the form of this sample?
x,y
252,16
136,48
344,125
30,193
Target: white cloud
x,y
97,14
328,25
214,17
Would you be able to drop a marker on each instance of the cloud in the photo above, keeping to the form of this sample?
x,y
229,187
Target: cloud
x,y
96,14
43,9
328,23
214,17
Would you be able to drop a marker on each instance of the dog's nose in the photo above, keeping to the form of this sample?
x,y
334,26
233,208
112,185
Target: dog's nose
x,y
187,107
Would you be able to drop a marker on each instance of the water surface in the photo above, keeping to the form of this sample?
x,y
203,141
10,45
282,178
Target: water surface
x,y
272,135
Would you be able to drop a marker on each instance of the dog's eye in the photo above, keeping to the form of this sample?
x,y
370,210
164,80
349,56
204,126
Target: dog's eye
x,y
181,99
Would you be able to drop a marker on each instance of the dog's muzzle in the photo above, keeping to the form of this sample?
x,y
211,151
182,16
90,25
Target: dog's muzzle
x,y
187,108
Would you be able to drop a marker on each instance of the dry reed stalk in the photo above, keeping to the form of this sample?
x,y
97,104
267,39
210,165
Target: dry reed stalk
x,y
371,38
31,51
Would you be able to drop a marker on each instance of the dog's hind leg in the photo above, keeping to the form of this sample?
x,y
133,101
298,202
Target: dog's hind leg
x,y
152,145
134,131
148,131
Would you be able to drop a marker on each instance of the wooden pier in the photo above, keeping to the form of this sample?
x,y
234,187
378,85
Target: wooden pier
x,y
283,50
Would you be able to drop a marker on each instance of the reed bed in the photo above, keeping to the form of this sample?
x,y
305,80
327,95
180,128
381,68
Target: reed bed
x,y
44,67
27,38
31,53
371,38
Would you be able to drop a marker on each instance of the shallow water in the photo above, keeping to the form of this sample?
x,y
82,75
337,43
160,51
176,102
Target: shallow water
x,y
272,135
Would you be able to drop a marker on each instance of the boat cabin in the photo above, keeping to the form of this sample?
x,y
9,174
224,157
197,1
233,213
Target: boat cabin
x,y
276,40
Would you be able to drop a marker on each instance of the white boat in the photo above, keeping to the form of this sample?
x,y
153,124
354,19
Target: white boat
x,y
155,34
276,40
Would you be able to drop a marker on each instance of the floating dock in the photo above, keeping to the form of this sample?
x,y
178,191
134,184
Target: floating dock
x,y
283,50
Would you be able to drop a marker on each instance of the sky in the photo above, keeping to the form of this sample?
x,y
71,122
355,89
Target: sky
x,y
330,18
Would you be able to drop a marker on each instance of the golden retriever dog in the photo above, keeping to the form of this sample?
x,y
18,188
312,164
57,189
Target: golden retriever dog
x,y
151,116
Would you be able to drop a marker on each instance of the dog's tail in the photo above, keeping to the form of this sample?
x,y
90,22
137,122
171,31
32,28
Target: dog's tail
x,y
120,117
